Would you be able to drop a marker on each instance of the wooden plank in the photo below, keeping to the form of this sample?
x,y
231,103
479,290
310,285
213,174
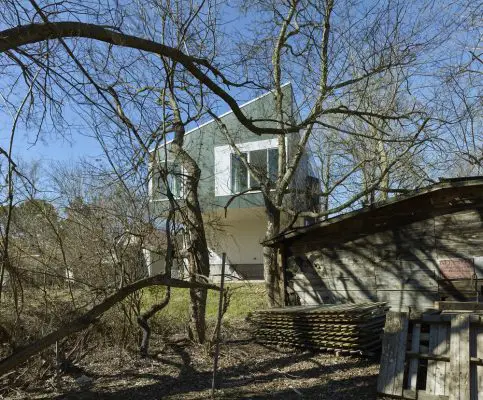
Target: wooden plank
x,y
445,318
443,349
459,244
479,368
476,373
459,386
458,305
473,367
414,363
311,296
437,378
464,218
343,283
431,375
393,354
458,288
428,356
412,277
422,395
417,283
343,266
398,299
417,250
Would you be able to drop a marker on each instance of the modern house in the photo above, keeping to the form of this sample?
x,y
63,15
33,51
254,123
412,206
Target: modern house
x,y
239,230
420,247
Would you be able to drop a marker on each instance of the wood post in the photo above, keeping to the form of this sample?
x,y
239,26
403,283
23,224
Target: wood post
x,y
393,354
459,388
413,363
282,283
218,325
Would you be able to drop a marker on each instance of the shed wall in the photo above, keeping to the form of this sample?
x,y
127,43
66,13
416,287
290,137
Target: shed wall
x,y
394,259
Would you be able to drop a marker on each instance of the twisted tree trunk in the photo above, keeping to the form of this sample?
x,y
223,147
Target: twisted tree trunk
x,y
143,322
198,257
271,270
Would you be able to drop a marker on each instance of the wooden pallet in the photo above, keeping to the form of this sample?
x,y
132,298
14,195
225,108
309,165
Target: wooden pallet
x,y
342,328
447,364
370,352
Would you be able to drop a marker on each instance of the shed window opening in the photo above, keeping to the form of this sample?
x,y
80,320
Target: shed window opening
x,y
264,162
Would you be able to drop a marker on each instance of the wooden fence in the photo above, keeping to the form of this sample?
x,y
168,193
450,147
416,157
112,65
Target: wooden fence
x,y
435,357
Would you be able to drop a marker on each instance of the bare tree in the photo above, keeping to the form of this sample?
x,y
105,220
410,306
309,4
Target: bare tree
x,y
121,108
335,52
336,63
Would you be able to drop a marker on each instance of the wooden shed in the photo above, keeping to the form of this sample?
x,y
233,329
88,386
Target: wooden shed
x,y
417,248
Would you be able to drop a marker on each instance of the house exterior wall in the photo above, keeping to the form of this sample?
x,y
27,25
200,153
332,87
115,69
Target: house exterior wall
x,y
222,161
239,237
245,225
155,263
300,184
208,146
394,254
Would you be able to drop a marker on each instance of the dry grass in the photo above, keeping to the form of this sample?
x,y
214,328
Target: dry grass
x,y
181,371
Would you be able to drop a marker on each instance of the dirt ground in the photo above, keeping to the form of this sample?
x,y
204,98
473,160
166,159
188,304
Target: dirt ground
x,y
179,370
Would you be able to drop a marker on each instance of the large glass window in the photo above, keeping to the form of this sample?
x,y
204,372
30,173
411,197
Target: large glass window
x,y
264,162
258,161
175,180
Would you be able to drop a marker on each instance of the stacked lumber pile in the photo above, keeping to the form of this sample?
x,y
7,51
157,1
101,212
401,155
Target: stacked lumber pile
x,y
343,328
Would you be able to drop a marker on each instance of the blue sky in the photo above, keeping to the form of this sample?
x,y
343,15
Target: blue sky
x,y
46,150
77,143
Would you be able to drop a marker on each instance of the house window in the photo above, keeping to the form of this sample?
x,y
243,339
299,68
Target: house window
x,y
239,174
264,162
174,181
273,164
258,161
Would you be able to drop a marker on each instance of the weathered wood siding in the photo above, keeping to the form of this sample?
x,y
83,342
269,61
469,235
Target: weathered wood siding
x,y
390,254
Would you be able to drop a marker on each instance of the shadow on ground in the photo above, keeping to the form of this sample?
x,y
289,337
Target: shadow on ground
x,y
248,371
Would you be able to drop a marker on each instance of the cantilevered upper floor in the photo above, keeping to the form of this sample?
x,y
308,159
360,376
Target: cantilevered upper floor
x,y
223,172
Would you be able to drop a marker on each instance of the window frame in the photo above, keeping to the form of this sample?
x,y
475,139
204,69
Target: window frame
x,y
232,183
251,179
156,194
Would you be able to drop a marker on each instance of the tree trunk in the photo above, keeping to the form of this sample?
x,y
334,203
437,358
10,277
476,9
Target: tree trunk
x,y
199,261
199,270
143,321
272,272
383,164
